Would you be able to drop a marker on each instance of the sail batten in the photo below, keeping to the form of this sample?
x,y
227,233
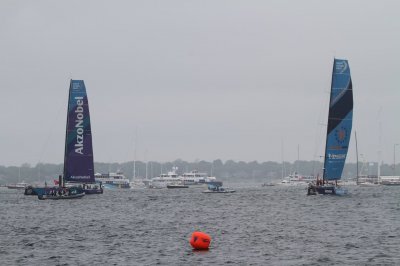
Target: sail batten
x,y
340,120
78,156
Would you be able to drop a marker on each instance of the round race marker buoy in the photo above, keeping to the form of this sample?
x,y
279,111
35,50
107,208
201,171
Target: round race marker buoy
x,y
200,240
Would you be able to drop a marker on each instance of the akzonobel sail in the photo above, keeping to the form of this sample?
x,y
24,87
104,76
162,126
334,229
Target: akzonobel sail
x,y
78,157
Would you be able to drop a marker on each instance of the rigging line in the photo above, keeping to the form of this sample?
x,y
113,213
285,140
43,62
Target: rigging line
x,y
320,126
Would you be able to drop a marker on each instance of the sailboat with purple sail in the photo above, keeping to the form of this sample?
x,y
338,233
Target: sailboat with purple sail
x,y
78,174
338,134
78,157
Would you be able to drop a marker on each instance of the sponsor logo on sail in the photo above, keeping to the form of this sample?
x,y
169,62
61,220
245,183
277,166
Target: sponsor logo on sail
x,y
79,125
336,156
80,177
341,66
341,135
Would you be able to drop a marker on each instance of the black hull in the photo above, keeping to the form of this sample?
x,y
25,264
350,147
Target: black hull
x,y
62,197
225,191
93,191
30,191
326,190
177,186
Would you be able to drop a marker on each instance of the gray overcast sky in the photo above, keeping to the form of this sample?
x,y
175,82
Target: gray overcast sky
x,y
196,79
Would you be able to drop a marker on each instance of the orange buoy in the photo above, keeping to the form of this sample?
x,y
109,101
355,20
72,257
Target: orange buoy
x,y
200,240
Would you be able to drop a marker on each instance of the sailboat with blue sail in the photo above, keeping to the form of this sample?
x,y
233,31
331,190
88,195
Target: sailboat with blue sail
x,y
78,174
340,119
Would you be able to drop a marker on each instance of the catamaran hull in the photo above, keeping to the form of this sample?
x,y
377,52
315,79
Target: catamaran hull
x,y
341,191
326,190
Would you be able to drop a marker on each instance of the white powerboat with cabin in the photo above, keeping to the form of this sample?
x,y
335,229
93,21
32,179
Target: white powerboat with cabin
x,y
296,179
20,185
390,180
196,178
166,179
113,180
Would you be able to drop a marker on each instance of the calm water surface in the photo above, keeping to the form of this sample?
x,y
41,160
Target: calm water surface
x,y
254,226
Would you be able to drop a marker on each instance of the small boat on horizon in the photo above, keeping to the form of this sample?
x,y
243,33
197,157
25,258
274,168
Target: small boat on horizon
x,y
192,178
367,180
163,180
177,185
195,177
216,187
390,180
270,184
20,185
296,179
113,180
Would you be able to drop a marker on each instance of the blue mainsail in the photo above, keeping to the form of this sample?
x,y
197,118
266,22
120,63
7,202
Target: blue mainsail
x,y
339,120
78,156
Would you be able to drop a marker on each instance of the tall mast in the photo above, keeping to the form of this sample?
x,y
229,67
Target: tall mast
x,y
380,146
145,158
66,136
298,158
327,124
283,162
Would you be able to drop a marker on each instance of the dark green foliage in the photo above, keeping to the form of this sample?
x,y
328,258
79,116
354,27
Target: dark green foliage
x,y
230,170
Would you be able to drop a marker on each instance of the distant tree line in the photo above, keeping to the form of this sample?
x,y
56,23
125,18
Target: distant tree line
x,y
229,170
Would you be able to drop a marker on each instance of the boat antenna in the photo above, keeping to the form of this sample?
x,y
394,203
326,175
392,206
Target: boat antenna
x,y
355,134
298,158
134,155
283,162
379,145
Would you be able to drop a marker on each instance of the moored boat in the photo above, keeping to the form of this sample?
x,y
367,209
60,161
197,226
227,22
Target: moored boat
x,y
177,185
192,178
20,185
113,180
297,179
163,180
390,180
270,184
195,177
